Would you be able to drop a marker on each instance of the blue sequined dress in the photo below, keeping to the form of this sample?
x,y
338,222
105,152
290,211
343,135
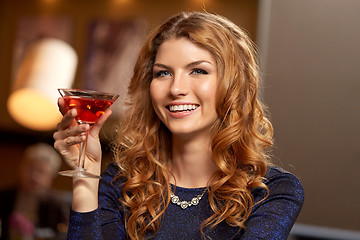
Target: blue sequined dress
x,y
270,219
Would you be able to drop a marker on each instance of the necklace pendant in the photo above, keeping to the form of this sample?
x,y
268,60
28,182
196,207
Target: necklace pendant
x,y
184,204
195,201
174,199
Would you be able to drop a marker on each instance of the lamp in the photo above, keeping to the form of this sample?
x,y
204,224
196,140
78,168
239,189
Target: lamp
x,y
48,64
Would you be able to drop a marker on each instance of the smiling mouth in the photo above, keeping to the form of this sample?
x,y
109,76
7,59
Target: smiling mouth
x,y
182,108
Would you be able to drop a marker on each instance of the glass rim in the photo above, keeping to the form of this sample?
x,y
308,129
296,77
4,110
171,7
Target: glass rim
x,y
86,91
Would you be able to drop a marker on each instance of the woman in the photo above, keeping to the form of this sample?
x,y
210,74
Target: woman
x,y
191,158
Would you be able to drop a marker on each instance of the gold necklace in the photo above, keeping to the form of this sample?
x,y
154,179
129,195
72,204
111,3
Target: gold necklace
x,y
185,204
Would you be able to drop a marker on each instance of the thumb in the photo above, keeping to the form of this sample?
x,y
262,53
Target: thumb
x,y
95,130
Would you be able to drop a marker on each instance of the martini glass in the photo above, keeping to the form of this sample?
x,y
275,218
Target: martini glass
x,y
90,105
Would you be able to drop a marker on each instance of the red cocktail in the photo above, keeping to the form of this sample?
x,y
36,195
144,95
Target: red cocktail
x,y
88,109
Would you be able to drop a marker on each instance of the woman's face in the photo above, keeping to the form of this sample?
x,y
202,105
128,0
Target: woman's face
x,y
184,86
36,176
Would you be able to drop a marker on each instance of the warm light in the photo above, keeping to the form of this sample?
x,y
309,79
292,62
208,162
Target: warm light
x,y
121,1
30,108
49,64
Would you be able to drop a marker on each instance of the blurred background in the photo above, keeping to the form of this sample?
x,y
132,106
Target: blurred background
x,y
310,60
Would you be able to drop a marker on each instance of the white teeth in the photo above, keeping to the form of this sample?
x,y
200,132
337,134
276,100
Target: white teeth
x,y
186,107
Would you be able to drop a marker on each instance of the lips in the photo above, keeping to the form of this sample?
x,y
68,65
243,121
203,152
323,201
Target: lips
x,y
182,107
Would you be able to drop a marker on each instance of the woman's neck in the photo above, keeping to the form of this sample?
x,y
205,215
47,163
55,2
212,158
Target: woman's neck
x,y
192,163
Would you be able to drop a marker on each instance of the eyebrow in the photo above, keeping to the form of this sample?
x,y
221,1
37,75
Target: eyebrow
x,y
192,64
198,63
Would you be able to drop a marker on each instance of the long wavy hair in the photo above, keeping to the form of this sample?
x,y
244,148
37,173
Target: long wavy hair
x,y
240,136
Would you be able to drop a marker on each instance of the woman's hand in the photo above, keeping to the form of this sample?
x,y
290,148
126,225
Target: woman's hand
x,y
70,134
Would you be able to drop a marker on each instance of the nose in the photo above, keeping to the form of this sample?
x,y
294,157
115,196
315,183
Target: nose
x,y
179,85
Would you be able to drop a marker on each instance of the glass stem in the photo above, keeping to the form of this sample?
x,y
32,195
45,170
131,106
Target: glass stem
x,y
82,152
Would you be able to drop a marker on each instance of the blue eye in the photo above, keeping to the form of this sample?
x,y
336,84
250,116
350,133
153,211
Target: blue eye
x,y
161,74
199,71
